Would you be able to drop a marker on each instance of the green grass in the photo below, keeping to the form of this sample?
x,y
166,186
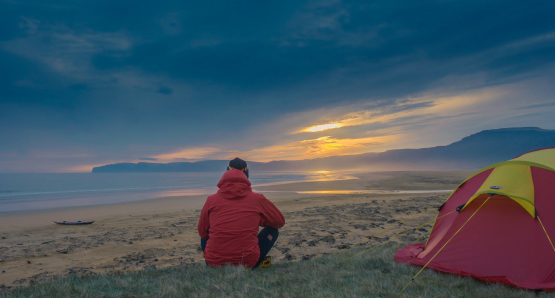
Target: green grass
x,y
372,274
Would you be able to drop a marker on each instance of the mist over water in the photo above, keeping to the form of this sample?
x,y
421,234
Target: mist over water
x,y
44,191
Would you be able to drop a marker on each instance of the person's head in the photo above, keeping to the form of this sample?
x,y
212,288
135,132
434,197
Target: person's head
x,y
239,164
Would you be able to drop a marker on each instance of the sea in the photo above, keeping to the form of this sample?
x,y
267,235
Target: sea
x,y
22,192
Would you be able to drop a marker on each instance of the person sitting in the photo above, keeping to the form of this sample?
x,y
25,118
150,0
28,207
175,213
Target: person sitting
x,y
230,220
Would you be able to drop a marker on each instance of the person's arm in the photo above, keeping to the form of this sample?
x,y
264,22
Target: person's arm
x,y
271,216
263,223
204,222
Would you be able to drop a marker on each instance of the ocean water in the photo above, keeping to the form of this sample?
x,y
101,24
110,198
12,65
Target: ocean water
x,y
43,191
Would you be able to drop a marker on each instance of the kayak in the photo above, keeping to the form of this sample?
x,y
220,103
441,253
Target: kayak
x,y
74,222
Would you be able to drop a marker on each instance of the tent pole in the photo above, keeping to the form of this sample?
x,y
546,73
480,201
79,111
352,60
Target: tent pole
x,y
443,246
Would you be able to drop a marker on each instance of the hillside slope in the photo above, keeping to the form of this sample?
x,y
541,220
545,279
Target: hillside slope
x,y
470,153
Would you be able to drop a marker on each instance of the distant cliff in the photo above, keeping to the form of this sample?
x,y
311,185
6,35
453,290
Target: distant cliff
x,y
470,153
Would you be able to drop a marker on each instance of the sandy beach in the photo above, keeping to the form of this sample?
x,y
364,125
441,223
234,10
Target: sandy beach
x,y
322,217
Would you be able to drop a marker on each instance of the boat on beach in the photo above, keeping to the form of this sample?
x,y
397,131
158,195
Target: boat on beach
x,y
73,222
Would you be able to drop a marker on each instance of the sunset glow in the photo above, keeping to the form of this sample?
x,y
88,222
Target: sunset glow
x,y
189,153
322,127
320,147
309,80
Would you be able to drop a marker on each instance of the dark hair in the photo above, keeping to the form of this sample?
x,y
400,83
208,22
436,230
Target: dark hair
x,y
239,164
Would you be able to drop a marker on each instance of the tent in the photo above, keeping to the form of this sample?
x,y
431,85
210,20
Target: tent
x,y
498,225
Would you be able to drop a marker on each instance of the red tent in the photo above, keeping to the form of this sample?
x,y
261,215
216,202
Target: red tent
x,y
497,226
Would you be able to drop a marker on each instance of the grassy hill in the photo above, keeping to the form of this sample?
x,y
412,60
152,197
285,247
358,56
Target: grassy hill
x,y
371,274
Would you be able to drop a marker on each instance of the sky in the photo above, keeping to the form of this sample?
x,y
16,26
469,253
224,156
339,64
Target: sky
x,y
88,83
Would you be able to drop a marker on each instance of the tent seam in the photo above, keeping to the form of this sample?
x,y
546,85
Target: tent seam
x,y
503,194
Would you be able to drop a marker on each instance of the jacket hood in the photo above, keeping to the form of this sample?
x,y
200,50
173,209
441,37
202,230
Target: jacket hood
x,y
234,184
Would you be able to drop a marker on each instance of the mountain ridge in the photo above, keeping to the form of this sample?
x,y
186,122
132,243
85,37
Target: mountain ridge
x,y
470,153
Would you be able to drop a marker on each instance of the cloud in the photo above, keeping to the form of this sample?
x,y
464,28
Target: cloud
x,y
407,108
62,49
121,80
321,127
190,154
165,90
316,148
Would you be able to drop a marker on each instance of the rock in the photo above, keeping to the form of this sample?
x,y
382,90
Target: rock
x,y
329,239
289,257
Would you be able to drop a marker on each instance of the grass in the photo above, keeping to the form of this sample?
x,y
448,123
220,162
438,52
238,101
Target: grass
x,y
372,274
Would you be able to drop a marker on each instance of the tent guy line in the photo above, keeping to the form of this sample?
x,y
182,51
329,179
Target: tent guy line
x,y
548,238
496,246
444,244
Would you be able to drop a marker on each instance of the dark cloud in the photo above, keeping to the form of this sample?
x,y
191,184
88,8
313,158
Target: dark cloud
x,y
165,90
113,75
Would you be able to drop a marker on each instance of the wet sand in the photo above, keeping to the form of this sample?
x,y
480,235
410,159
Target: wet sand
x,y
162,232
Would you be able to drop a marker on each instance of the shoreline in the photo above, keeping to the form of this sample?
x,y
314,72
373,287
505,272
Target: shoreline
x,y
343,183
21,218
133,195
164,204
162,232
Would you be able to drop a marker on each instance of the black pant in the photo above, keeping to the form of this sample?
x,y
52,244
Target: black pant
x,y
266,240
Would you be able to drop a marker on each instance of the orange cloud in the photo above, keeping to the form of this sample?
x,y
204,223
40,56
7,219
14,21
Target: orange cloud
x,y
196,153
320,147
322,127
439,106
429,109
84,168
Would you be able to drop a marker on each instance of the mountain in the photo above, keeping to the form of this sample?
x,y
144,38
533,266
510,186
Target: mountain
x,y
470,153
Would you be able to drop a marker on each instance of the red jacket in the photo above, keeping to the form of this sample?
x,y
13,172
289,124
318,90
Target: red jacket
x,y
233,215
